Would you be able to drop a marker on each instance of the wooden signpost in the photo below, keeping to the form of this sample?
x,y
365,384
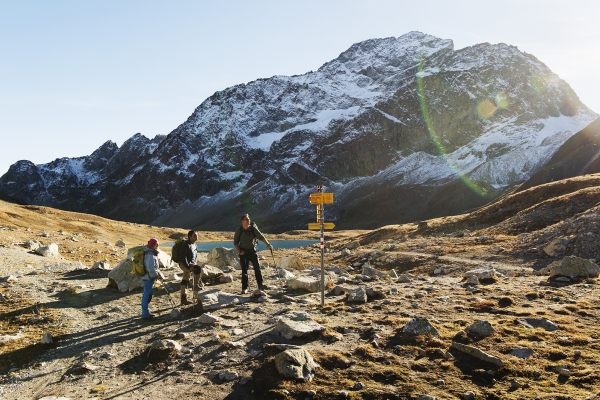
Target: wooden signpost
x,y
319,199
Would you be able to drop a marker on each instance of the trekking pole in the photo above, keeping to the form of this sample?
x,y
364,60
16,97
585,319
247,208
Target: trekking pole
x,y
281,283
162,283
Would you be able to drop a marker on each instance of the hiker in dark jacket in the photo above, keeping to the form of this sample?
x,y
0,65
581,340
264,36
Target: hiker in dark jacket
x,y
245,239
152,274
187,263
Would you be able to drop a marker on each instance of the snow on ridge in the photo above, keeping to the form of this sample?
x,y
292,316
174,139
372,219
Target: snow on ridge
x,y
324,117
526,153
71,167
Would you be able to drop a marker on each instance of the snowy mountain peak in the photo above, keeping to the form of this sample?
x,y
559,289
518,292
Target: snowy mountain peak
x,y
399,128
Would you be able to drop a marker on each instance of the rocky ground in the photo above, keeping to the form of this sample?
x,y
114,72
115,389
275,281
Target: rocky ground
x,y
404,315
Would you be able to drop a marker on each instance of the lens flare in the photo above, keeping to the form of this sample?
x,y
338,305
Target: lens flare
x,y
434,137
539,83
486,109
502,100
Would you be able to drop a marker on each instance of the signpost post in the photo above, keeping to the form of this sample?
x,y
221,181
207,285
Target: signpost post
x,y
319,199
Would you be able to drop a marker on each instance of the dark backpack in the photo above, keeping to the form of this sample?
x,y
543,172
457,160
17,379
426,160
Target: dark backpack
x,y
252,225
176,250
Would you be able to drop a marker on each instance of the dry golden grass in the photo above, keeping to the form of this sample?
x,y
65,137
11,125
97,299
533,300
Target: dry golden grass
x,y
37,320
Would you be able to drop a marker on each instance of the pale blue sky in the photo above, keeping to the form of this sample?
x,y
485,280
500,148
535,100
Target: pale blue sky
x,y
74,74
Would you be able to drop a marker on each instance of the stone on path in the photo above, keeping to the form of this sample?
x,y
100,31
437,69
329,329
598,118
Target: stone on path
x,y
477,353
226,278
208,318
556,246
522,352
372,272
50,250
483,274
420,326
296,363
215,299
47,338
481,328
353,245
32,244
358,295
210,272
228,375
166,344
309,283
291,262
101,265
573,267
533,323
288,328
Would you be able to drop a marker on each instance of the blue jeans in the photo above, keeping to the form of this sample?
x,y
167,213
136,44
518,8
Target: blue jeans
x,y
146,297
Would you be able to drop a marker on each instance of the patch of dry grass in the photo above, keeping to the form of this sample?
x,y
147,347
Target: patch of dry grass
x,y
21,316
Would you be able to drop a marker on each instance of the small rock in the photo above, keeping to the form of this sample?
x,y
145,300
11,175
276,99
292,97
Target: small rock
x,y
228,375
468,396
47,338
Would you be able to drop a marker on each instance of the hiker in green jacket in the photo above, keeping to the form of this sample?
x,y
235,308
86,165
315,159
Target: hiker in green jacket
x,y
187,263
245,240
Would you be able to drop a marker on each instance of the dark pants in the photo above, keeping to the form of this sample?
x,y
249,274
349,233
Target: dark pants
x,y
250,257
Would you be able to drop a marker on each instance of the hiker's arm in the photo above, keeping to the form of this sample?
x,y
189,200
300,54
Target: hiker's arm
x,y
262,237
151,267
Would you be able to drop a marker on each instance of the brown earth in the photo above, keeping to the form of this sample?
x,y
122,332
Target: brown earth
x,y
362,343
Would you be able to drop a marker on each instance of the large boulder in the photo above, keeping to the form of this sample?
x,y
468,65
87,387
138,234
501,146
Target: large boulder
x,y
309,283
296,364
292,262
50,250
122,278
573,267
164,259
222,257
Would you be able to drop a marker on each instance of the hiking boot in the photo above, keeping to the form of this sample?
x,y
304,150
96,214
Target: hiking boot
x,y
184,300
244,291
149,317
263,287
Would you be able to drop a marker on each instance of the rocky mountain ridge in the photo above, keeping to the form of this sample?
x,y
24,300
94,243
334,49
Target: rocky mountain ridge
x,y
399,129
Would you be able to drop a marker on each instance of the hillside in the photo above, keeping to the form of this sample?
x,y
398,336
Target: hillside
x,y
101,347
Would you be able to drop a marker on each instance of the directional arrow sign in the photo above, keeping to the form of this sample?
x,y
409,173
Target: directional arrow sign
x,y
321,198
315,226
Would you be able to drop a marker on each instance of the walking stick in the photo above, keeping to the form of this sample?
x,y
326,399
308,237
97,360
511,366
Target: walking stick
x,y
278,270
162,283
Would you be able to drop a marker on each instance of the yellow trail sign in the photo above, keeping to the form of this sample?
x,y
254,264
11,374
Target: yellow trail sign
x,y
316,226
321,198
